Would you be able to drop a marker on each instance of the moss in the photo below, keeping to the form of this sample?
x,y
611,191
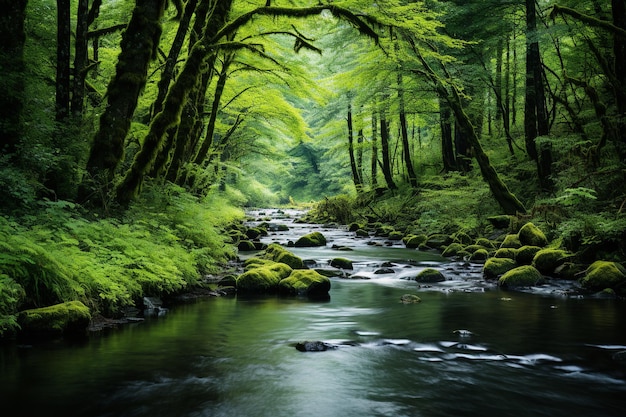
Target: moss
x,y
430,275
277,253
253,233
68,318
384,230
395,235
438,240
341,263
531,235
485,243
305,282
522,276
453,249
500,222
362,233
311,240
494,267
511,241
462,237
526,254
263,278
246,246
353,227
510,253
604,274
547,260
414,241
479,255
256,262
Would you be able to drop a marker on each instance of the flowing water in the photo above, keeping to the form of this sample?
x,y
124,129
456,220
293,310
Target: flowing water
x,y
468,349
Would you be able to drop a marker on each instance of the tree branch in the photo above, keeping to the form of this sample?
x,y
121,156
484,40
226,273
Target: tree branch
x,y
590,20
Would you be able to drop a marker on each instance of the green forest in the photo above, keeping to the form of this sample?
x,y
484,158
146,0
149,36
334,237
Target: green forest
x,y
135,133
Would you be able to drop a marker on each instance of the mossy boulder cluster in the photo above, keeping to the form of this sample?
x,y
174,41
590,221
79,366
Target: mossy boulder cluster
x,y
277,270
65,319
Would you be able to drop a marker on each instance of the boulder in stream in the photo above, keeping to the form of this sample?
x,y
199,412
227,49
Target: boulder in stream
x,y
305,282
522,276
429,276
311,240
65,319
604,274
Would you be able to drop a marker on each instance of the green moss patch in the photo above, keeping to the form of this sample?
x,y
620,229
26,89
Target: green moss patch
x,y
311,240
531,235
494,267
68,318
604,274
429,276
305,282
522,276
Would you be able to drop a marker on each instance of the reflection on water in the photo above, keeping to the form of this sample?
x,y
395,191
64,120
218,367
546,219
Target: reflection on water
x,y
452,354
468,349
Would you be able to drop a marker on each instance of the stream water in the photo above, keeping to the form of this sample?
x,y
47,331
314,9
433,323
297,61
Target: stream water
x,y
468,349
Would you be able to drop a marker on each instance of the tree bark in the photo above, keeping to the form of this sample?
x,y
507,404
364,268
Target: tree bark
x,y
62,107
384,144
13,38
406,149
619,50
80,58
139,45
374,156
447,146
355,173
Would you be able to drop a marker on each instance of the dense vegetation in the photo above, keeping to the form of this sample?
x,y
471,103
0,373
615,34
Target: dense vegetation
x,y
133,132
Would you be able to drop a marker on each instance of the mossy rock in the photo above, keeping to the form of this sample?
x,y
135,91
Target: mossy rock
x,y
500,222
282,228
604,274
263,279
494,267
452,249
277,253
383,230
253,233
341,263
485,243
246,246
410,299
414,241
526,254
531,235
395,235
429,276
473,248
462,238
353,227
362,233
522,276
510,253
311,240
65,319
438,240
256,262
290,259
305,282
511,241
479,255
548,260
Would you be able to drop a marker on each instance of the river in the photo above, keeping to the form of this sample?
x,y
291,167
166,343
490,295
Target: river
x,y
467,349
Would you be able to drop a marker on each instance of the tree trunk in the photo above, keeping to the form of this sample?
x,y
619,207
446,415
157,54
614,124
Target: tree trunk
x,y
406,149
374,156
172,107
355,173
172,57
384,144
13,38
535,114
139,44
447,146
62,107
80,58
359,155
619,49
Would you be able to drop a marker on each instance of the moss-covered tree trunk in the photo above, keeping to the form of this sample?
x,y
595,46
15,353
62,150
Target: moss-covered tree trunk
x,y
138,48
80,58
13,38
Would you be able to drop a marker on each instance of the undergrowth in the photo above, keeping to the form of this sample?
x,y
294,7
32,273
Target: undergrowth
x,y
162,245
